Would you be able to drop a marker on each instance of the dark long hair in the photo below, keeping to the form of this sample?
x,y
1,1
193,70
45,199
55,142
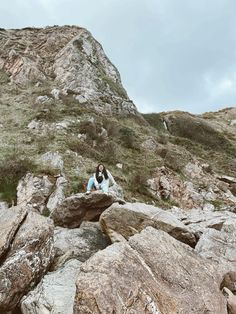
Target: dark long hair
x,y
104,172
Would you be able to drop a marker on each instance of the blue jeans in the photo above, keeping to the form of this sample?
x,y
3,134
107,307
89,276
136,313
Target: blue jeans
x,y
102,186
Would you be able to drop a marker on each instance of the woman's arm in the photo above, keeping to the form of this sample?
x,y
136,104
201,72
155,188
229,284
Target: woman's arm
x,y
111,177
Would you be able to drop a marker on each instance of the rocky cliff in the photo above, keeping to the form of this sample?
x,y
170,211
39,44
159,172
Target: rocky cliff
x,y
161,241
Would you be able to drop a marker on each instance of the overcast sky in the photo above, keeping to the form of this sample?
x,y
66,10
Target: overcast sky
x,y
172,54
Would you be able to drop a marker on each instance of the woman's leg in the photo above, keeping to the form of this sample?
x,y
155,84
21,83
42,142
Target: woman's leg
x,y
90,184
104,187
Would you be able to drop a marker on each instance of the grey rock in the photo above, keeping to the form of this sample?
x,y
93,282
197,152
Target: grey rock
x,y
56,93
53,160
55,293
79,243
34,125
43,100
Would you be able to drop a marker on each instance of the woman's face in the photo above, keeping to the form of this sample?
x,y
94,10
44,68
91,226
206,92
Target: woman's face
x,y
100,167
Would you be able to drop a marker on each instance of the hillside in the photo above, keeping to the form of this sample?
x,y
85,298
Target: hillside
x,y
61,94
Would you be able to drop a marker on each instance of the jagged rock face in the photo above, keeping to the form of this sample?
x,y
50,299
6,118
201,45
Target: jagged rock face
x,y
125,220
71,57
32,48
55,293
152,273
27,261
79,243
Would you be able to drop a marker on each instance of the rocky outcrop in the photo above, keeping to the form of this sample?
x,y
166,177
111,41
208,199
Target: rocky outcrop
x,y
55,293
79,243
120,222
79,207
199,187
152,273
27,261
70,57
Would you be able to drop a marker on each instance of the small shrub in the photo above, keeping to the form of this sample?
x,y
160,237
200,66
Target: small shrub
x,y
112,127
109,153
83,148
116,87
137,183
128,137
76,184
46,212
155,120
12,169
90,129
217,203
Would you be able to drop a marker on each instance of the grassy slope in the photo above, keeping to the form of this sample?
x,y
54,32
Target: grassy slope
x,y
125,136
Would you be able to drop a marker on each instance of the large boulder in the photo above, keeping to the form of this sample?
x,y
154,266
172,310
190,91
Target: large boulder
x,y
55,293
34,190
10,220
152,273
79,207
219,246
123,221
79,243
27,261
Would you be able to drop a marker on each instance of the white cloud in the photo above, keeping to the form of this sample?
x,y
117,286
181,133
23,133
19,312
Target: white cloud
x,y
219,86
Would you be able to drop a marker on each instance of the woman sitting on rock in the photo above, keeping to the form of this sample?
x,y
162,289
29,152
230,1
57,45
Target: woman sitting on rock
x,y
100,179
